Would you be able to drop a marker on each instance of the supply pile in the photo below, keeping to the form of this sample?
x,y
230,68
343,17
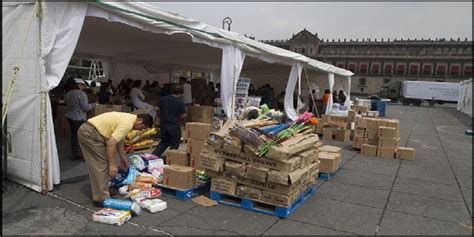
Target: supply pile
x,y
140,139
137,185
330,158
336,127
380,137
271,164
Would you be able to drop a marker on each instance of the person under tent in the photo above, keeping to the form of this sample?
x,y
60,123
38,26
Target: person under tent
x,y
187,91
172,110
101,138
77,106
138,99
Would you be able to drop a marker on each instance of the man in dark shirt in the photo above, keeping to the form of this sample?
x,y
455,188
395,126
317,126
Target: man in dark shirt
x,y
171,111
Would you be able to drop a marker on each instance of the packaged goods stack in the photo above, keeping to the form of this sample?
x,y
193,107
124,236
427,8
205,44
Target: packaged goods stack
x,y
334,127
141,140
201,114
380,137
198,90
278,178
196,134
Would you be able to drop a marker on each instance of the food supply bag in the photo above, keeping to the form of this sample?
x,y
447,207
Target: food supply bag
x,y
111,216
152,205
122,204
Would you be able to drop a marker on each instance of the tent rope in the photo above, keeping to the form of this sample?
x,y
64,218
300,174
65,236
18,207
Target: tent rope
x,y
16,69
313,109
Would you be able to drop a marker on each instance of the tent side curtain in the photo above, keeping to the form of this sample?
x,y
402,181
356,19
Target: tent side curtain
x,y
295,74
232,62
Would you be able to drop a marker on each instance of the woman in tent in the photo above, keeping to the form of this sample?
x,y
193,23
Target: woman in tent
x,y
138,99
76,113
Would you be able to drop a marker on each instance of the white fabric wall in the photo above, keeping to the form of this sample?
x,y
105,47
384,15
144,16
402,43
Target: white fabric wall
x,y
465,97
133,71
232,61
295,74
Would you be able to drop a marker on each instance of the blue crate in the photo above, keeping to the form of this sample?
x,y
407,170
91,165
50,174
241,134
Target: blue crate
x,y
256,206
327,176
184,195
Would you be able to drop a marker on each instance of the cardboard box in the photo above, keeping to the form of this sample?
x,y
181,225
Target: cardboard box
x,y
224,186
180,177
358,141
330,149
211,162
199,131
285,178
406,153
319,128
364,109
386,152
249,157
278,199
325,118
308,157
329,162
389,142
361,122
371,133
368,150
232,144
359,132
381,122
328,133
372,123
374,142
177,157
248,192
292,147
195,148
256,173
387,132
100,109
273,187
217,138
373,114
235,168
183,132
343,135
393,123
352,116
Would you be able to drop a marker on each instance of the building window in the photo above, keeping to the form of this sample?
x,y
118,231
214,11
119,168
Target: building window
x,y
468,71
303,51
375,69
401,69
427,70
362,89
459,51
363,69
441,70
386,80
414,70
362,81
311,50
351,68
388,69
454,70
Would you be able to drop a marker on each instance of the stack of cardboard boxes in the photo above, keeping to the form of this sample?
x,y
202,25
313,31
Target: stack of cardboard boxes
x,y
201,114
380,137
196,135
334,127
278,178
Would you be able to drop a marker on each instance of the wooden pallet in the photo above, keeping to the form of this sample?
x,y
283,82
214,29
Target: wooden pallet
x,y
261,207
183,195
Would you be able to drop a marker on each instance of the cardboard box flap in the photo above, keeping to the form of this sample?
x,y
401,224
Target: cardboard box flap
x,y
225,129
330,149
292,146
297,175
327,155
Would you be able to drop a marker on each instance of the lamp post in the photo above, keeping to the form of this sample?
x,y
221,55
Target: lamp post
x,y
227,21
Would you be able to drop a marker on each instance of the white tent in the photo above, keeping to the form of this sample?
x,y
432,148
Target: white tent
x,y
465,97
39,39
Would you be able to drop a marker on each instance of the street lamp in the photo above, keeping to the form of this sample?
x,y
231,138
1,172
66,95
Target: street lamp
x,y
227,21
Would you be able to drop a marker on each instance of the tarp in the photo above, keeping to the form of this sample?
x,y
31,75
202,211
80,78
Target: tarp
x,y
465,97
40,39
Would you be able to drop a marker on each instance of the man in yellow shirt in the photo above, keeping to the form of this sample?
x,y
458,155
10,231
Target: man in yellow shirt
x,y
100,138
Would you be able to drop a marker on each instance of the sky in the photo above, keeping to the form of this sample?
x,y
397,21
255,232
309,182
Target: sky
x,y
351,20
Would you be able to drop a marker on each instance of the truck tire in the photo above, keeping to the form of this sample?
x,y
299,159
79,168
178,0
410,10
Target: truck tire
x,y
431,102
417,102
440,102
405,102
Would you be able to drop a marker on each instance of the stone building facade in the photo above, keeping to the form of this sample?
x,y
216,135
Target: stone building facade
x,y
378,61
